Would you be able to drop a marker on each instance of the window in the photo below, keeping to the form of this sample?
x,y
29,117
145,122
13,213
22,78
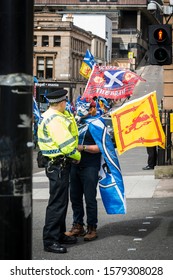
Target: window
x,y
49,67
97,49
40,67
45,67
57,41
45,41
35,41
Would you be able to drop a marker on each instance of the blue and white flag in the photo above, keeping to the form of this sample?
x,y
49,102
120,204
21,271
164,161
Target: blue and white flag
x,y
82,107
69,107
45,96
89,59
111,183
36,111
35,80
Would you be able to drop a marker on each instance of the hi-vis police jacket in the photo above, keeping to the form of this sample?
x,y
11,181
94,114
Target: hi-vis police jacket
x,y
58,135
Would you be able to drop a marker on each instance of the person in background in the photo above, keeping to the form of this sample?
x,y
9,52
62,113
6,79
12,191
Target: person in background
x,y
152,158
152,151
58,142
104,105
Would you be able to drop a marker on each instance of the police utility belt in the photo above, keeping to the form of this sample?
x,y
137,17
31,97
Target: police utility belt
x,y
60,160
44,161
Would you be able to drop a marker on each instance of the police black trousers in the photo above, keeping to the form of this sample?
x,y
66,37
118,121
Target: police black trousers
x,y
57,205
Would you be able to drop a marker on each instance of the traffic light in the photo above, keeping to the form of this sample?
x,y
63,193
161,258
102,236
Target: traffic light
x,y
160,44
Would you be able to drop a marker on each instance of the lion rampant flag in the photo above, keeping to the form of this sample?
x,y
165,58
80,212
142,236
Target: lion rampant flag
x,y
137,123
87,65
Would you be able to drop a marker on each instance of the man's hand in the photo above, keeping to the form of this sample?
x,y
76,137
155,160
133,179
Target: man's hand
x,y
80,148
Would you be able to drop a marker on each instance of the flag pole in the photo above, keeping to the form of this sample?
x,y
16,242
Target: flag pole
x,y
16,91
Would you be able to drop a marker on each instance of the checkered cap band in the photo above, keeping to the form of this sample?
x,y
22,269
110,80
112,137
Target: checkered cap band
x,y
57,100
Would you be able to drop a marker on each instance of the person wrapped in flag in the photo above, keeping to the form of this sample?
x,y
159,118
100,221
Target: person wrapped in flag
x,y
97,152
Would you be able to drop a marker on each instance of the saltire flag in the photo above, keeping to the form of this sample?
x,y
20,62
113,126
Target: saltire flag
x,y
36,111
69,107
111,82
45,96
87,64
111,183
35,80
137,123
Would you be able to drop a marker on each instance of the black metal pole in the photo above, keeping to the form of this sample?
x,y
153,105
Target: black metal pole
x,y
161,151
168,140
16,89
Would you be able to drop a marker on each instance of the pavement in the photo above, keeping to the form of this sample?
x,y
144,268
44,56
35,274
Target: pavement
x,y
145,232
138,183
149,186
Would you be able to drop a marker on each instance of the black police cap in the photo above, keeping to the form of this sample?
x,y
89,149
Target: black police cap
x,y
57,96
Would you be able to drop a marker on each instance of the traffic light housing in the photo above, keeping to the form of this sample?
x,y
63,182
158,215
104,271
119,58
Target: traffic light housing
x,y
160,44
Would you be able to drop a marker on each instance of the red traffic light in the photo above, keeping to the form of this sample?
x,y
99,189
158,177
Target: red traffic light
x,y
160,35
160,44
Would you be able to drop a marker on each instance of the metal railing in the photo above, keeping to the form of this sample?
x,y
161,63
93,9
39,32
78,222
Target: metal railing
x,y
164,155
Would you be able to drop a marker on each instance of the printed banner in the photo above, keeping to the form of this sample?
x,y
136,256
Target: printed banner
x,y
111,82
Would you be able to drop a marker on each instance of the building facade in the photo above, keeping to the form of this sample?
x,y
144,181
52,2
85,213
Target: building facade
x,y
130,19
59,48
168,74
99,25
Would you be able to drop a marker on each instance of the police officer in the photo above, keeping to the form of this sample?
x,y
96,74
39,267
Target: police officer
x,y
58,141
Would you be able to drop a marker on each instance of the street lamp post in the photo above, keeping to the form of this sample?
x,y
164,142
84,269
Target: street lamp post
x,y
16,90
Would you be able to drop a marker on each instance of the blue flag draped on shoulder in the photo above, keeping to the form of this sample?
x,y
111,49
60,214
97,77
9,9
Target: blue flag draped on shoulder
x,y
111,182
87,64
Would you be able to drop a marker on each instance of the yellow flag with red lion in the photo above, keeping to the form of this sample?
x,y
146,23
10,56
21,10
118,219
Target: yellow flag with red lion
x,y
137,123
